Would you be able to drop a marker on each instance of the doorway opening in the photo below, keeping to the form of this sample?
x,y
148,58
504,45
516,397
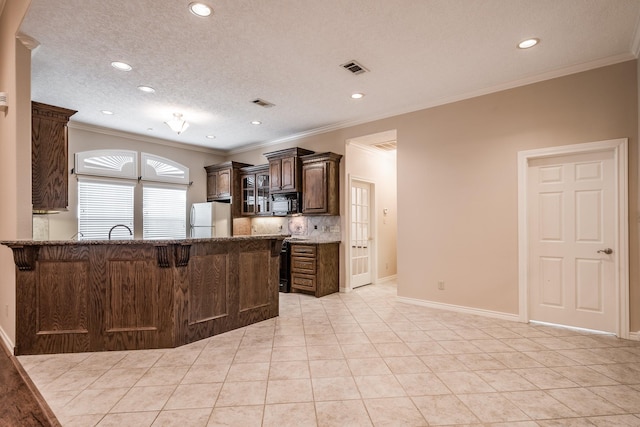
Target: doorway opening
x,y
370,222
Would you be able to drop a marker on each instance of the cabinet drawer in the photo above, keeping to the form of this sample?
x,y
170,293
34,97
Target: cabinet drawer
x,y
304,250
303,265
303,281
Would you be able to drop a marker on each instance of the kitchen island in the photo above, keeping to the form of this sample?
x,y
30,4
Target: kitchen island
x,y
78,296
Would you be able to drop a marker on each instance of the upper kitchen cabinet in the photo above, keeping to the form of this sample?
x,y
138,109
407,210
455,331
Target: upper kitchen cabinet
x,y
223,184
321,184
49,157
285,170
255,190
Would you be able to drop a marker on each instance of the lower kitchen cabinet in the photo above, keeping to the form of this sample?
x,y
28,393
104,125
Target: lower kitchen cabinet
x,y
315,268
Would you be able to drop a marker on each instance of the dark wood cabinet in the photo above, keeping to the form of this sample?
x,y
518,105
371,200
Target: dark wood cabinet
x,y
285,170
321,184
315,268
223,184
49,157
255,190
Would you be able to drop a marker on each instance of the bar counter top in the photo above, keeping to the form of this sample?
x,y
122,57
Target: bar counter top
x,y
154,242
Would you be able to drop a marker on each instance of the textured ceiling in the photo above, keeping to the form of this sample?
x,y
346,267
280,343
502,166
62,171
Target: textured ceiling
x,y
420,53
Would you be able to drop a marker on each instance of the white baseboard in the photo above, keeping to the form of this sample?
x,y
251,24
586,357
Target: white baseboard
x,y
7,341
634,336
461,309
387,279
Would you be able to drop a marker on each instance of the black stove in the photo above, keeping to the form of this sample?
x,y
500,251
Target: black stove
x,y
285,286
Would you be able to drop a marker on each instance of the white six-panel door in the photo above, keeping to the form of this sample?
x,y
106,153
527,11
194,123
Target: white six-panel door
x,y
571,210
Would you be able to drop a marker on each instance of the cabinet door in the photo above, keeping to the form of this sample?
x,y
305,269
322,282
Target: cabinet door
x,y
49,164
212,186
262,193
314,193
275,174
224,183
289,174
248,194
305,282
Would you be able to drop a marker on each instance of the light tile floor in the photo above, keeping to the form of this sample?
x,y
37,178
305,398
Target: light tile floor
x,y
356,359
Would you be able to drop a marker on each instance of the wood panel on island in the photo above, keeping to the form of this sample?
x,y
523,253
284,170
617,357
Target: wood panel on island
x,y
105,295
49,158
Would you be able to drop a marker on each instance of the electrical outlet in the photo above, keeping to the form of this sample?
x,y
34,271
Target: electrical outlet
x,y
441,285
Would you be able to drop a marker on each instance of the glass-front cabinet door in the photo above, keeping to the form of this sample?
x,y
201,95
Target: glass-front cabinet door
x,y
248,194
262,193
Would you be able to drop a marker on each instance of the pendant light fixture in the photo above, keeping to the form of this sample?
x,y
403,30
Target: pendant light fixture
x,y
177,124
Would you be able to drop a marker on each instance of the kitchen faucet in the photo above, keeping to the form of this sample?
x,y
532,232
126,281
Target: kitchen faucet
x,y
120,225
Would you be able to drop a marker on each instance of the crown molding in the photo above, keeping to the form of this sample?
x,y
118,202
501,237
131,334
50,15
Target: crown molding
x,y
28,41
561,72
136,137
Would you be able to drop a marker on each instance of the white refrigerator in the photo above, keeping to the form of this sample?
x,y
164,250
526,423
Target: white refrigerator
x,y
210,220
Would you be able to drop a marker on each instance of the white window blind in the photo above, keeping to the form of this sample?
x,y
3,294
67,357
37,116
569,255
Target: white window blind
x,y
103,204
164,212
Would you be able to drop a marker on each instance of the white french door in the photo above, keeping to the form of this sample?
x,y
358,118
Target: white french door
x,y
360,233
572,230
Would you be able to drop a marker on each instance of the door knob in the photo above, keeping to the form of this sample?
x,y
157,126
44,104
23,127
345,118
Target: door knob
x,y
607,251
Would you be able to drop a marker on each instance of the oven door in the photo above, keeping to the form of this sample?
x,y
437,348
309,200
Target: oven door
x,y
284,268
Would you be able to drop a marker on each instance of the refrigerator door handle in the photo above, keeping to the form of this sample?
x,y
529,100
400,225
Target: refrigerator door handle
x,y
192,216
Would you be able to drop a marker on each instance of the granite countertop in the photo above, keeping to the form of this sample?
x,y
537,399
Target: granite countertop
x,y
312,240
153,242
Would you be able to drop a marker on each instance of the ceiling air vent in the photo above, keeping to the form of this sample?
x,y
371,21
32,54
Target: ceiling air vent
x,y
263,103
386,146
354,67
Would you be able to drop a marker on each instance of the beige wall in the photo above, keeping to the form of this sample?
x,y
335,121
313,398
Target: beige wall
x,y
458,181
15,153
64,225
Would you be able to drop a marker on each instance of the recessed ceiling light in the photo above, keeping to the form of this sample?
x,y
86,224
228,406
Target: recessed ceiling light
x,y
526,44
211,137
107,112
122,66
146,89
200,9
357,95
256,122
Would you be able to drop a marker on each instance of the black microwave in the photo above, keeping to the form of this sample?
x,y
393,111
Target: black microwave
x,y
286,204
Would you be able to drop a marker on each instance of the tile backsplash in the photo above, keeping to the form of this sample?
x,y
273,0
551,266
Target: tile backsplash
x,y
40,230
302,226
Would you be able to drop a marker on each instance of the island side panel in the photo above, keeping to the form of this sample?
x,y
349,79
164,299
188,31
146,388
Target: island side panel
x,y
258,280
202,292
135,296
226,285
53,302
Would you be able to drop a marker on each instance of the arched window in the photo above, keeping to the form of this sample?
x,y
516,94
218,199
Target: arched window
x,y
107,181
